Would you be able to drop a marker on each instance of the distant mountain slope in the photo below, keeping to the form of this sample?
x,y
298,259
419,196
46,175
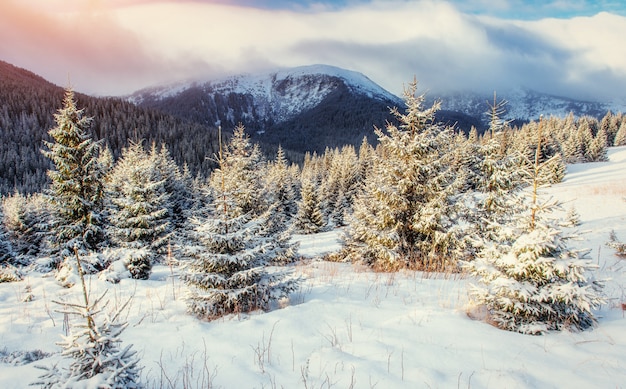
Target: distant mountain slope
x,y
27,105
278,96
303,109
524,105
313,107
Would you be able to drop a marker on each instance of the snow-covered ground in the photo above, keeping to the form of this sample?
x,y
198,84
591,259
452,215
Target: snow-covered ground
x,y
348,327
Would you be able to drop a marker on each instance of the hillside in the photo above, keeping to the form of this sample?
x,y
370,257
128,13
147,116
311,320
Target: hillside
x,y
28,103
524,105
347,326
303,109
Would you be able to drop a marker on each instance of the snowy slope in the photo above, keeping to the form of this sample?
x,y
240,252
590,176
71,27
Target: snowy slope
x,y
348,327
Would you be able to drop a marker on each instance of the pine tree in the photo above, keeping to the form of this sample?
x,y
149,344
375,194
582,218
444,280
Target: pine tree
x,y
468,159
310,217
498,179
597,149
244,164
405,216
531,281
178,189
620,137
7,255
8,272
609,124
366,156
340,183
76,192
26,220
585,134
228,266
139,213
281,197
573,148
93,349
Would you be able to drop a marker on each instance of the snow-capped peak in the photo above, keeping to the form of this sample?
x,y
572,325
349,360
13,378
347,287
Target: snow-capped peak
x,y
281,94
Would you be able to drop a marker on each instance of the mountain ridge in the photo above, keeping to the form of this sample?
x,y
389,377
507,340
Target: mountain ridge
x,y
524,104
274,98
305,109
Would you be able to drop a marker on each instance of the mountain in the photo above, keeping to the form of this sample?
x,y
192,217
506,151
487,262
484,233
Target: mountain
x,y
524,105
303,109
28,103
313,107
279,95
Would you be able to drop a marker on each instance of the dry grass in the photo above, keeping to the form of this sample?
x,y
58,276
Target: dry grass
x,y
617,188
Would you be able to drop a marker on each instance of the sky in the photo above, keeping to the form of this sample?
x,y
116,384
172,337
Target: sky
x,y
571,48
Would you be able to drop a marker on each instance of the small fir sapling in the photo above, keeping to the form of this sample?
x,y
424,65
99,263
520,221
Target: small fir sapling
x,y
93,349
616,244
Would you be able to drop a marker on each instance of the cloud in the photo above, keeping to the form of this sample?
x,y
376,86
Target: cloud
x,y
114,47
88,49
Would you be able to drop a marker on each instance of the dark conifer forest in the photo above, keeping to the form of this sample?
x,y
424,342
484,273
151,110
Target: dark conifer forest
x,y
27,105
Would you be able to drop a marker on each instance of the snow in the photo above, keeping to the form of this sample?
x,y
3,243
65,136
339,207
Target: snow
x,y
280,93
526,104
348,326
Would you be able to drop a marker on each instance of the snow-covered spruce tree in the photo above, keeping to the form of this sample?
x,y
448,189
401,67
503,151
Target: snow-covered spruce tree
x,y
499,178
280,188
76,192
228,266
96,359
26,219
277,220
530,280
244,163
138,209
176,185
405,216
341,184
597,148
8,272
310,218
469,158
620,137
7,255
366,155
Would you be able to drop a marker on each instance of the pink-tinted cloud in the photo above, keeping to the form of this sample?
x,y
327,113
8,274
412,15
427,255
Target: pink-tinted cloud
x,y
86,44
118,46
